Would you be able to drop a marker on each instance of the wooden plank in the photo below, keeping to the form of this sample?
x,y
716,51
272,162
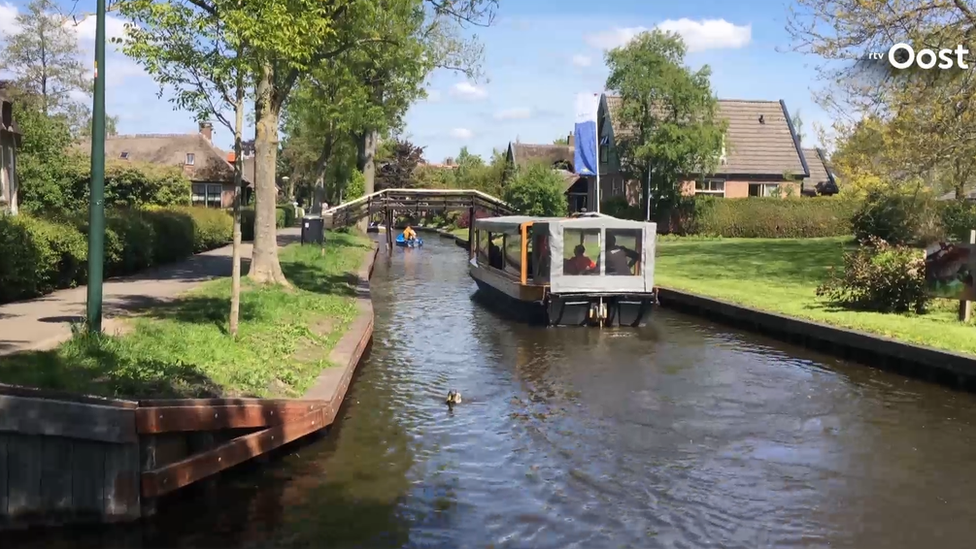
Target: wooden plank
x,y
167,419
88,477
24,474
4,472
34,392
56,473
35,416
177,475
173,402
122,482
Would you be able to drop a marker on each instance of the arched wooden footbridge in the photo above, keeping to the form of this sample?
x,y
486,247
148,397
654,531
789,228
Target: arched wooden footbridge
x,y
389,202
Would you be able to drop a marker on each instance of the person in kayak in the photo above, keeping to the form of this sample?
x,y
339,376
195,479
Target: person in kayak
x,y
409,234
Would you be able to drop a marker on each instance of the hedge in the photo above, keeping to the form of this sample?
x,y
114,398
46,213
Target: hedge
x,y
753,217
43,255
284,217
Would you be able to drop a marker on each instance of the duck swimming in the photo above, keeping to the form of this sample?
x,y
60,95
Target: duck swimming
x,y
453,397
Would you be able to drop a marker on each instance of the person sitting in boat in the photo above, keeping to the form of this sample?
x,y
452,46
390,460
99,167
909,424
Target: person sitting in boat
x,y
409,234
579,264
620,260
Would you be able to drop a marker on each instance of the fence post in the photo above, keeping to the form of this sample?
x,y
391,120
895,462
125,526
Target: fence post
x,y
966,307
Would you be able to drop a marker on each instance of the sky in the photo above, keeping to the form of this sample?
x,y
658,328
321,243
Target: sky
x,y
539,54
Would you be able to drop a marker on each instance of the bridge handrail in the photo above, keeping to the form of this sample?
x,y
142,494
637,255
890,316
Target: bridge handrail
x,y
485,197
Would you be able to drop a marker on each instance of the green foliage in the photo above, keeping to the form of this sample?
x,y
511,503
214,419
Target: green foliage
x,y
41,255
618,207
879,277
397,172
38,257
356,187
247,222
958,218
42,166
896,216
669,111
537,191
287,214
759,217
131,184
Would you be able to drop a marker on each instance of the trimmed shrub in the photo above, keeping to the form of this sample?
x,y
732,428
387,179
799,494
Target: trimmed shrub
x,y
537,190
617,206
958,218
247,222
288,215
898,218
879,277
211,228
38,257
759,217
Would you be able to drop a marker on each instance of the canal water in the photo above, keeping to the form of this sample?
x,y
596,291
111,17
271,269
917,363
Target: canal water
x,y
681,434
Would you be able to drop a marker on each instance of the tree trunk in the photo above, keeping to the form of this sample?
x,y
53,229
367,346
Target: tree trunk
x,y
265,268
366,148
235,277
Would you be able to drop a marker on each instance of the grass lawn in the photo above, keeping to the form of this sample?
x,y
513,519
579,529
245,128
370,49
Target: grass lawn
x,y
781,276
463,233
182,348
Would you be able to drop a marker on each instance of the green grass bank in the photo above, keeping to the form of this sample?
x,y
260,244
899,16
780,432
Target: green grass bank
x,y
182,348
781,275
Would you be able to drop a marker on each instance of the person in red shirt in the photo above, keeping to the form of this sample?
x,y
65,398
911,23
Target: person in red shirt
x,y
579,264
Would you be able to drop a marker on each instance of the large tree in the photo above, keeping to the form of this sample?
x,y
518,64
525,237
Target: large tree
x,y
398,171
669,128
44,58
929,116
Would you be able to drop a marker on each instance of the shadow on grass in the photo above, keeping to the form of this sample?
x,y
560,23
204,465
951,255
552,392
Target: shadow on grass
x,y
313,279
100,365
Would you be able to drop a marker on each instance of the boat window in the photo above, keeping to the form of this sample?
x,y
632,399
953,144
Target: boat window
x,y
513,254
540,255
623,252
482,240
581,252
495,255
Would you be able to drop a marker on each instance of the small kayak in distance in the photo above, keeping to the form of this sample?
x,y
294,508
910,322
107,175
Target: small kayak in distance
x,y
402,242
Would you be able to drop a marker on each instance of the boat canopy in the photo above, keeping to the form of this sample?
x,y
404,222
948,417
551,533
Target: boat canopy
x,y
587,235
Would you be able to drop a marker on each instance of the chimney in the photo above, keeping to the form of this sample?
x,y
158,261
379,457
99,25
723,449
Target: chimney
x,y
571,140
206,130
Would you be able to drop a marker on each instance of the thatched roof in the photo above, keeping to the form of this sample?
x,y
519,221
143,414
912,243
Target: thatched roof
x,y
768,148
209,163
524,154
569,178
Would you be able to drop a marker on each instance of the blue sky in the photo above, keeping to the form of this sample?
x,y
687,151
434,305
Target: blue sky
x,y
538,56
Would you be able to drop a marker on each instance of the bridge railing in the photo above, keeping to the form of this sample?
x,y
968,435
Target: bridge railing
x,y
389,200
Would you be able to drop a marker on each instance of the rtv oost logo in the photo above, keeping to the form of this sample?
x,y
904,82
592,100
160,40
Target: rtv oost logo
x,y
903,56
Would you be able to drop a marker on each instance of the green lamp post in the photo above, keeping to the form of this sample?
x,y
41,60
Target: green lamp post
x,y
96,200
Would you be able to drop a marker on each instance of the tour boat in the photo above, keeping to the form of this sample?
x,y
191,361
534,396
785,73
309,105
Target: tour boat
x,y
604,275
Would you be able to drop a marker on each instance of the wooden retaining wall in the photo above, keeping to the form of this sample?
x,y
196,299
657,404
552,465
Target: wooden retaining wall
x,y
953,369
68,458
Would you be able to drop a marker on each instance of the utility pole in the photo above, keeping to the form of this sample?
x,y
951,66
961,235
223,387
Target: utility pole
x,y
96,199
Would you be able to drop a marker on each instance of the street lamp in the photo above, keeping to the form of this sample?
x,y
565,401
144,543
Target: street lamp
x,y
96,198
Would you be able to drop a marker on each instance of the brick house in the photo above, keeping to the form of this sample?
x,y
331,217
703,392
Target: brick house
x,y
9,142
211,175
762,153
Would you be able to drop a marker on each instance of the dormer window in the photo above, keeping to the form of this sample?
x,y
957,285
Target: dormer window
x,y
124,155
190,159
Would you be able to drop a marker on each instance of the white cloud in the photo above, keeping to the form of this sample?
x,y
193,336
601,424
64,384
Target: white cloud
x,y
467,90
582,60
462,133
114,28
8,19
514,114
708,34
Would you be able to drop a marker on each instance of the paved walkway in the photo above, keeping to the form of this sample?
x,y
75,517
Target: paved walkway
x,y
45,322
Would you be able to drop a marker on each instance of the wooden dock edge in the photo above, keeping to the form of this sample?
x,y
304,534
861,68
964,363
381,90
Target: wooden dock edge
x,y
945,367
68,458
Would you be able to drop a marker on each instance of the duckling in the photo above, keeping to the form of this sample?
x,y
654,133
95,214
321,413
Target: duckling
x,y
453,397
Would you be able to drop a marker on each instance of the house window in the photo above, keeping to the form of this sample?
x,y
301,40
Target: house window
x,y
604,153
190,159
616,187
763,189
124,155
714,187
206,195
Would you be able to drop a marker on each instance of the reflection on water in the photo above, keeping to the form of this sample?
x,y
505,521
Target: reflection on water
x,y
681,434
